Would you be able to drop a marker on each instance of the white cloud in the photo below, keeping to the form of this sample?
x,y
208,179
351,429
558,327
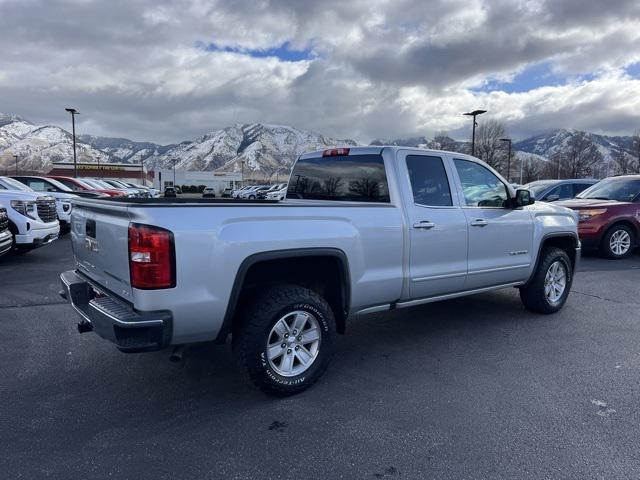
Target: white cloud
x,y
380,68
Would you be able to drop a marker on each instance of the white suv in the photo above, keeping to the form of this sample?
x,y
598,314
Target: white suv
x,y
32,218
63,200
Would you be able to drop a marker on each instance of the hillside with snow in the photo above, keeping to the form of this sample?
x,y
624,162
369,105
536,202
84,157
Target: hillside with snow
x,y
258,149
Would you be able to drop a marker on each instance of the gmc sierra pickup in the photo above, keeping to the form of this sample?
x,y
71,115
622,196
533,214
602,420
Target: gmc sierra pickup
x,y
362,230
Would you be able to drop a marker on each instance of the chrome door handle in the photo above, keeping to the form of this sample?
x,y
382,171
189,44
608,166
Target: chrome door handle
x,y
424,225
479,222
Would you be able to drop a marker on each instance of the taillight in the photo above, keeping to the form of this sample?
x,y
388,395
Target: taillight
x,y
335,152
151,257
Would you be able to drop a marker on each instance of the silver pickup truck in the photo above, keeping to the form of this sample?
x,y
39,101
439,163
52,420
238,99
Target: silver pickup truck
x,y
362,230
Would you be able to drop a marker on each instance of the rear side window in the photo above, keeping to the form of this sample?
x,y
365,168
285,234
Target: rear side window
x,y
429,181
355,178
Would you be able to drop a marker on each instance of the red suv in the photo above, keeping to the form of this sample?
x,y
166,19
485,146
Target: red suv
x,y
609,213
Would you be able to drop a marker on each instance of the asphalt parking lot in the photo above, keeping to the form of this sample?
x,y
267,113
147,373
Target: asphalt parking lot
x,y
469,388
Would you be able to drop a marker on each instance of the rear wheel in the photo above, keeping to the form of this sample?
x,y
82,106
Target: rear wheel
x,y
549,288
285,339
617,242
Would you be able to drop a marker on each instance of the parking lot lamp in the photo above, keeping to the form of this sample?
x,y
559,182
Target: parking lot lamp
x,y
16,159
508,140
174,172
474,114
73,113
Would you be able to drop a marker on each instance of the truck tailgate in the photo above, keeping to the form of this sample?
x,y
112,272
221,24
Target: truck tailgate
x,y
100,241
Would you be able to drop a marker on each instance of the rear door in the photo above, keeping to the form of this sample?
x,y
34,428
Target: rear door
x,y
100,240
500,238
437,225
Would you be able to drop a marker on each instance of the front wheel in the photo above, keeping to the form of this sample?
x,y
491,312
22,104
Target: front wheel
x,y
549,288
285,339
618,242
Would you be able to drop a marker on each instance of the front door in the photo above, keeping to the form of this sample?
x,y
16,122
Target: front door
x,y
437,226
500,239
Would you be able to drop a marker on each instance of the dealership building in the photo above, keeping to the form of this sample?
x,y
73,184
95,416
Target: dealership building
x,y
216,180
159,179
119,171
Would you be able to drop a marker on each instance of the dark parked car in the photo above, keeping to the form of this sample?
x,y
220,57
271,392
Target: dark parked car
x,y
554,190
226,193
169,192
609,214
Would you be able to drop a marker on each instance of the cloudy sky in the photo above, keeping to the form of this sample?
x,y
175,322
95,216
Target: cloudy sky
x,y
170,70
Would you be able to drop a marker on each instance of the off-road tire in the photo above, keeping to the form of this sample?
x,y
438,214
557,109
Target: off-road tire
x,y
605,245
533,295
250,337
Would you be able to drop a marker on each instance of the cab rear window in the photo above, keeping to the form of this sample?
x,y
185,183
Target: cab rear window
x,y
348,178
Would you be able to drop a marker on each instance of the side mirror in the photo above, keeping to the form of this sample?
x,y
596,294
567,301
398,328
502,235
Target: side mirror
x,y
524,197
552,198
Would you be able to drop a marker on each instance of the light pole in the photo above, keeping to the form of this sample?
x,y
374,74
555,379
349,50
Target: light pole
x,y
16,159
73,113
174,172
508,140
142,172
474,114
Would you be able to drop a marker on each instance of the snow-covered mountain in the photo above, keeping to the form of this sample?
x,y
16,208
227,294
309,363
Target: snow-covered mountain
x,y
123,149
258,147
38,146
440,142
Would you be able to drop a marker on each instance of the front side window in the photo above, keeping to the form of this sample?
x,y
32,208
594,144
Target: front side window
x,y
481,188
429,181
354,178
561,192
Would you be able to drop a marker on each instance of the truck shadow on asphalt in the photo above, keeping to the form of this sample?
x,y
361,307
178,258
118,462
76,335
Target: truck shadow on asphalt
x,y
372,342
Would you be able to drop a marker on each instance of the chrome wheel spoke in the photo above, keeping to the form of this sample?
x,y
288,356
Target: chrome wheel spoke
x,y
300,321
310,335
275,350
281,328
304,356
286,364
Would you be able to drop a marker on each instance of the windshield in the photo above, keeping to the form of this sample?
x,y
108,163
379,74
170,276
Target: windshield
x,y
11,184
103,184
59,185
613,189
91,183
538,187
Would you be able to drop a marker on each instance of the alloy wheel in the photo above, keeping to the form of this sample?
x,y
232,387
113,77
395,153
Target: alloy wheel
x,y
293,343
620,242
555,282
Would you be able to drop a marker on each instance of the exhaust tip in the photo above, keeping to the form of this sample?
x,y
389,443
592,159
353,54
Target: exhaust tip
x,y
176,354
84,326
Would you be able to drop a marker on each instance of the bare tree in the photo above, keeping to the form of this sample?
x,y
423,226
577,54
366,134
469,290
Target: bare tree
x,y
442,141
488,145
578,158
635,145
623,162
529,165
